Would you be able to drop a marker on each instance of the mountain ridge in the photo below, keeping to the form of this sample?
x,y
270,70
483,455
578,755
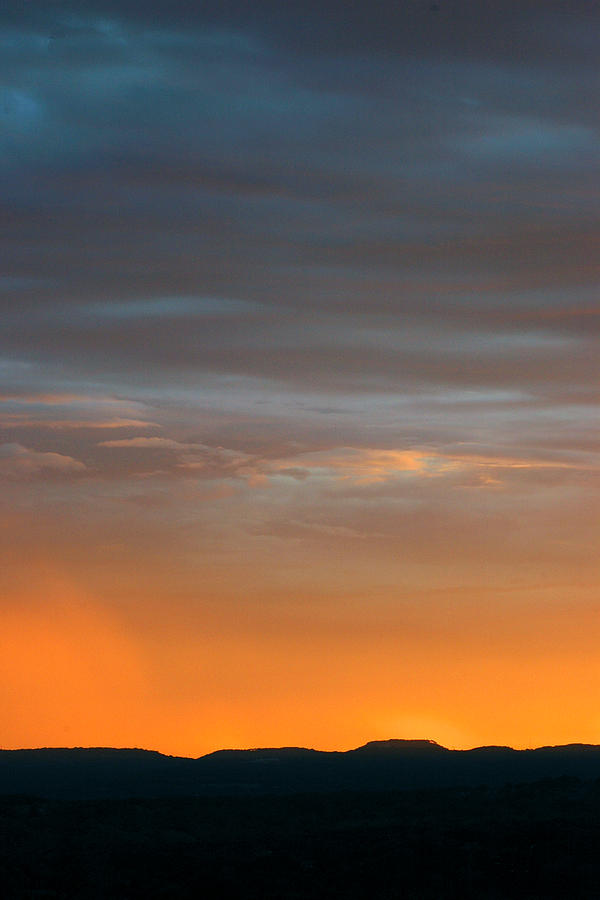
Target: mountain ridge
x,y
388,743
95,772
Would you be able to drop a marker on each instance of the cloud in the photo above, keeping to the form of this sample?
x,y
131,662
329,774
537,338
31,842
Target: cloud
x,y
199,460
21,420
19,462
152,443
67,412
43,399
369,466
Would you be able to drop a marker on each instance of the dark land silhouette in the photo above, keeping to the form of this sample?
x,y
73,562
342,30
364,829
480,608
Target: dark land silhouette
x,y
376,766
394,819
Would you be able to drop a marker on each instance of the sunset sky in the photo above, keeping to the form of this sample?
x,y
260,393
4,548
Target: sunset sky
x,y
299,368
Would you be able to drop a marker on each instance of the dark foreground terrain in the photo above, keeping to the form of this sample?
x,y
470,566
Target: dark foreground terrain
x,y
95,773
535,840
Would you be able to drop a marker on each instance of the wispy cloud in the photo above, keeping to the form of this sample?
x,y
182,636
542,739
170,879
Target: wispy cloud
x,y
21,420
152,443
17,462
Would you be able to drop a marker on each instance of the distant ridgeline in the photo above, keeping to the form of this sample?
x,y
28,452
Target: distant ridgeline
x,y
378,766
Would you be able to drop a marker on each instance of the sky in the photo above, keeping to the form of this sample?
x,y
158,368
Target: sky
x,y
299,373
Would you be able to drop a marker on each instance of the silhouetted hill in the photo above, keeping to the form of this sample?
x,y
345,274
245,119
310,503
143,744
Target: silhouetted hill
x,y
377,766
398,748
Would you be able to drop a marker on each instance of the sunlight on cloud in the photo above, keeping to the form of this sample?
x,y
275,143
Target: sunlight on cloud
x,y
17,461
368,466
71,411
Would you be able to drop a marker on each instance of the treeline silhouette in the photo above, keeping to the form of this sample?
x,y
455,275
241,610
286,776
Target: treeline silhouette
x,y
276,824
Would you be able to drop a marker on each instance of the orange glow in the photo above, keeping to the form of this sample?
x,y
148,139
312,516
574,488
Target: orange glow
x,y
74,674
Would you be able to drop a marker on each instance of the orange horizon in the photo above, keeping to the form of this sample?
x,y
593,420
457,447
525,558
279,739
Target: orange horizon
x,y
77,672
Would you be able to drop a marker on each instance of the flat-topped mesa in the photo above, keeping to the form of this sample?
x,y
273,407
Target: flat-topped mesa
x,y
396,747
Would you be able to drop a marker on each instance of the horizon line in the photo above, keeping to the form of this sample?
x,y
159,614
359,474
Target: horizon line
x,y
422,741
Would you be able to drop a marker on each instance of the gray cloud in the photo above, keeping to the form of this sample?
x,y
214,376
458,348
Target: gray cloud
x,y
18,462
280,229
